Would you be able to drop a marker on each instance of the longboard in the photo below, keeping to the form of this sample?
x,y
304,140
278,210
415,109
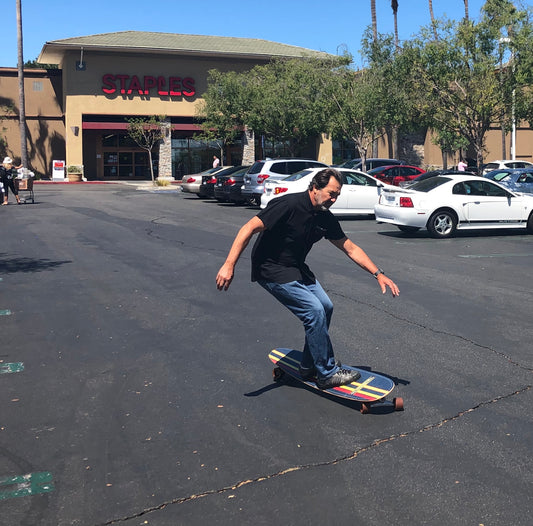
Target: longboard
x,y
370,389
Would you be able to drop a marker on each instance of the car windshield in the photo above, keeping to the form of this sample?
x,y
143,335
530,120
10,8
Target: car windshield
x,y
429,184
297,176
500,176
350,164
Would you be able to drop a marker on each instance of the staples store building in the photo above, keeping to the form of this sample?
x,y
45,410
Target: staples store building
x,y
78,112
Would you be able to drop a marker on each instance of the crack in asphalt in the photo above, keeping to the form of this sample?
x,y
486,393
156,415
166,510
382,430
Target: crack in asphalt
x,y
435,331
352,456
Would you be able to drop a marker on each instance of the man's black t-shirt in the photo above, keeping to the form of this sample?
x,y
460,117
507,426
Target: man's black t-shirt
x,y
293,225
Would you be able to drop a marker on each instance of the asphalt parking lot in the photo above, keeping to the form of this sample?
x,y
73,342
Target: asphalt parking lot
x,y
133,392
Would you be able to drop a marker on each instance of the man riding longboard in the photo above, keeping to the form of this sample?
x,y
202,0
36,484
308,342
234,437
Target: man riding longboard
x,y
288,227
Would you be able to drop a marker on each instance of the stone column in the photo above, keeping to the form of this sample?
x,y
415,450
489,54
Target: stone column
x,y
165,153
248,146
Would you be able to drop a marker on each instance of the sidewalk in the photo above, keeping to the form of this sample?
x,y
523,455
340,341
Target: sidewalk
x,y
147,186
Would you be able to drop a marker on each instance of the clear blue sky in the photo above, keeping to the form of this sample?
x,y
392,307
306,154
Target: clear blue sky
x,y
314,24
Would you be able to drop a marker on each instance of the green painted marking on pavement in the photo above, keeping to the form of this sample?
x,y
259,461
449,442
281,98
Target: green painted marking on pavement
x,y
24,485
5,312
15,367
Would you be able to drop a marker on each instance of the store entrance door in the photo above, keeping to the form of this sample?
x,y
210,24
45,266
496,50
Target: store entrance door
x,y
123,159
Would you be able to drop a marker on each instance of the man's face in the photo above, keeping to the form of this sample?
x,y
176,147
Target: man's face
x,y
323,199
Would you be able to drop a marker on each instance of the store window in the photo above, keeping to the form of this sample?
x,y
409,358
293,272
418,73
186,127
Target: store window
x,y
191,156
344,150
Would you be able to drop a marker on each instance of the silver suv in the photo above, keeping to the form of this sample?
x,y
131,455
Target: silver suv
x,y
254,178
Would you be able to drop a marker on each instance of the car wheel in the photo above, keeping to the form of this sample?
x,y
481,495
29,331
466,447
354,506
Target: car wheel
x,y
442,224
530,223
408,229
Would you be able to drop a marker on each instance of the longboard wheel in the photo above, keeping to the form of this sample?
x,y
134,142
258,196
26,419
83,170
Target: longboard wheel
x,y
277,374
365,409
398,404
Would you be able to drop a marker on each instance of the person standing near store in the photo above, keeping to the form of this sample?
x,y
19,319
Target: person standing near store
x,y
8,175
288,227
216,161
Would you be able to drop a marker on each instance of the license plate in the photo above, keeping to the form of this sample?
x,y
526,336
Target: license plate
x,y
390,198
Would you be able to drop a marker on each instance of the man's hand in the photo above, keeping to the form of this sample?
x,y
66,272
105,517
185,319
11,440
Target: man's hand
x,y
225,274
224,277
385,282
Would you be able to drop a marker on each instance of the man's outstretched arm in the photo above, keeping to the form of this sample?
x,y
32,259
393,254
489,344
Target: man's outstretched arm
x,y
225,274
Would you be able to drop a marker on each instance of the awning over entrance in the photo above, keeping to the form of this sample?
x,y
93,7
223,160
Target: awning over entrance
x,y
124,126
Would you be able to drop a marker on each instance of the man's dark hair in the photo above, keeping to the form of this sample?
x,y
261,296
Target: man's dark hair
x,y
321,179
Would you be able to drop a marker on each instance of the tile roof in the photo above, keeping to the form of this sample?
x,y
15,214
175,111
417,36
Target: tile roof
x,y
149,42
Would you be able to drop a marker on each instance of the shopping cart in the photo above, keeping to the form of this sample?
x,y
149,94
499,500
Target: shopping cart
x,y
24,183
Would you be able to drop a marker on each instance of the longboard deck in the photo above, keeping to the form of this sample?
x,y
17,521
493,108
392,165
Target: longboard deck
x,y
371,387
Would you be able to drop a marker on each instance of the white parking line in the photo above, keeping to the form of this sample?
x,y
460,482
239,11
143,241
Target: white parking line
x,y
474,256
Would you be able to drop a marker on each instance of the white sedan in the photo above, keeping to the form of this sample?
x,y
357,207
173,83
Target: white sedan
x,y
360,192
191,183
448,203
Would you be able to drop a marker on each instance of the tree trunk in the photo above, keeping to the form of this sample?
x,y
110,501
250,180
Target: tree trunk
x,y
466,9
394,5
432,16
22,105
374,19
151,166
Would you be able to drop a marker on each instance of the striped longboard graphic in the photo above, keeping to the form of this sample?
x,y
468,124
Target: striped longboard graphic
x,y
370,387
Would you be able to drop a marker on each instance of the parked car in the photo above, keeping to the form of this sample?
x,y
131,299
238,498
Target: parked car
x,y
207,188
191,183
500,165
359,194
432,173
518,180
448,203
228,186
371,163
396,174
254,180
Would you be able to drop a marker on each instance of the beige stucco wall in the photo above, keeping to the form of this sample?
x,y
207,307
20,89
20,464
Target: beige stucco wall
x,y
45,129
84,95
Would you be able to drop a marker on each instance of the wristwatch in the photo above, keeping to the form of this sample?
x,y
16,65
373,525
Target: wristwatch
x,y
378,272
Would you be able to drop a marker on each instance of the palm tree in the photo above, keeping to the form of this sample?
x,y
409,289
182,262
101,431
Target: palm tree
x,y
22,109
466,9
394,5
432,16
374,19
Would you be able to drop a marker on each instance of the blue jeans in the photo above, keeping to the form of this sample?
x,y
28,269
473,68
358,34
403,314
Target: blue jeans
x,y
312,306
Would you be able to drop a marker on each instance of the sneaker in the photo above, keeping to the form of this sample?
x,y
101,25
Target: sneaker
x,y
310,374
341,377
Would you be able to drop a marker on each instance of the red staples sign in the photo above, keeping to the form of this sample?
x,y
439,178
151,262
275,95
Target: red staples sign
x,y
147,85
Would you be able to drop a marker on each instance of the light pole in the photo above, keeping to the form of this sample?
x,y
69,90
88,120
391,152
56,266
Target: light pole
x,y
506,40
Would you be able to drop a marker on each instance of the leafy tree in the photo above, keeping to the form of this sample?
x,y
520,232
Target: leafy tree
x,y
283,100
367,104
289,99
147,133
39,65
224,108
463,89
